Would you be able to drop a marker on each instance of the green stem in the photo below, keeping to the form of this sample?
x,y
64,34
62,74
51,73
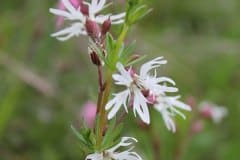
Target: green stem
x,y
121,37
102,112
104,95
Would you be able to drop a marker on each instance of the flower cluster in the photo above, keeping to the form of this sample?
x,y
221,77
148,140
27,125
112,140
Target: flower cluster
x,y
78,16
113,152
146,89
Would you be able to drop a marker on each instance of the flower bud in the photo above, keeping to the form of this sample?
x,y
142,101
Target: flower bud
x,y
95,59
106,26
93,29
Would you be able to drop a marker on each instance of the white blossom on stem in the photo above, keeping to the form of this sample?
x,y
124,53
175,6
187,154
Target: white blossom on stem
x,y
97,6
114,154
78,19
132,92
135,86
146,89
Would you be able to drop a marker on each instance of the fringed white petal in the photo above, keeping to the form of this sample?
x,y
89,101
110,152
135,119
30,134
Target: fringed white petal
x,y
140,106
146,67
124,78
169,122
114,154
115,104
77,17
94,156
175,102
60,13
167,106
75,30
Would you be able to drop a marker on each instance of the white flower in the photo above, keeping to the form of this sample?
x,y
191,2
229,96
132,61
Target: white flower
x,y
167,107
98,5
114,154
145,89
78,19
135,85
216,113
139,101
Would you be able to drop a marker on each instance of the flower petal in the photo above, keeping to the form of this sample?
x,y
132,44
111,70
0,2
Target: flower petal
x,y
145,68
115,104
140,105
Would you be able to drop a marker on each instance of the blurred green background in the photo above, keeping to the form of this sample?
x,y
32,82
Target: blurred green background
x,y
45,82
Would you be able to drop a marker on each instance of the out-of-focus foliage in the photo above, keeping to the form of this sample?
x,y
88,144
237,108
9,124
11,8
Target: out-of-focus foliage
x,y
44,82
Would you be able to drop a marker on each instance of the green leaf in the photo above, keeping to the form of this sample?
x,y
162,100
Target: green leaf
x,y
136,60
84,148
110,43
109,131
113,137
112,134
86,138
125,54
97,127
110,48
139,13
78,135
135,11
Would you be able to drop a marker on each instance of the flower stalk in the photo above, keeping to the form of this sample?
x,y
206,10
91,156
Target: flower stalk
x,y
113,60
102,101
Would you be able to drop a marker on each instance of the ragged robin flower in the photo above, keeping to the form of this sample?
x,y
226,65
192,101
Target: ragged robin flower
x,y
78,17
146,90
115,154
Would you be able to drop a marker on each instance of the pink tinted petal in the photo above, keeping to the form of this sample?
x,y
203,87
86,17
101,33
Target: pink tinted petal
x,y
60,19
88,112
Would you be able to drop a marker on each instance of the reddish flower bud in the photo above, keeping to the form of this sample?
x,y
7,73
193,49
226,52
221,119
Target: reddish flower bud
x,y
95,59
93,29
106,26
